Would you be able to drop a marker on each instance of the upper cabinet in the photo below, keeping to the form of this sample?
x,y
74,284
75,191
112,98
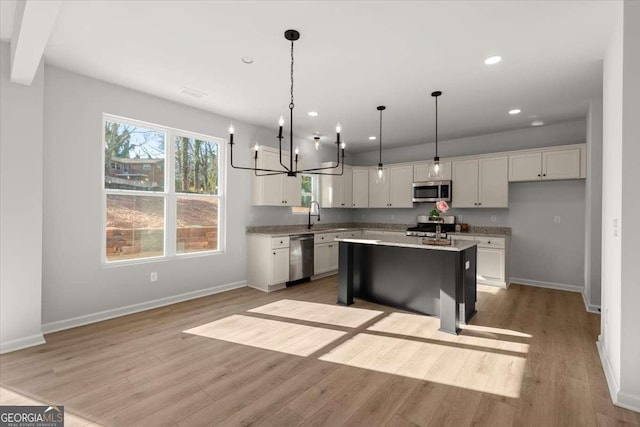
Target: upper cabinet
x,y
336,191
480,183
421,171
547,164
395,191
274,190
360,189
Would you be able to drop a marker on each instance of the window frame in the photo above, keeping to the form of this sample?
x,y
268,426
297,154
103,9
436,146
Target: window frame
x,y
169,194
315,194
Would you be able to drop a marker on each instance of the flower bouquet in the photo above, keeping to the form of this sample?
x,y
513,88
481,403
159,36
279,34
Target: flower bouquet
x,y
440,208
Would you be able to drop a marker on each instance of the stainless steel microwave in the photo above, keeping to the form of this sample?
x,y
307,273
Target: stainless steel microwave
x,y
431,191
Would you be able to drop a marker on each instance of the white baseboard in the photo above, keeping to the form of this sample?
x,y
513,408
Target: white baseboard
x,y
135,308
548,285
591,308
20,343
619,398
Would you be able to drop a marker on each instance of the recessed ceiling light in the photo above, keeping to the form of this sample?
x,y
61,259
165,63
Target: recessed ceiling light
x,y
313,113
372,138
514,111
247,60
192,92
537,123
493,60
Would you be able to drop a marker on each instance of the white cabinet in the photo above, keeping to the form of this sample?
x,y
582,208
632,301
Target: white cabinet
x,y
395,191
480,183
547,165
274,190
360,191
492,266
268,262
336,191
325,257
421,171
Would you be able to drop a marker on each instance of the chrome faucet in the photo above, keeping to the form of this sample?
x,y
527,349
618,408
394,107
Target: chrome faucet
x,y
309,225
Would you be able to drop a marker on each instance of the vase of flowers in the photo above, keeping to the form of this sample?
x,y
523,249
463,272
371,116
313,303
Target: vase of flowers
x,y
440,208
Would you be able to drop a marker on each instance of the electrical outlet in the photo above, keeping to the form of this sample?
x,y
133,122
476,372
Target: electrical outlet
x,y
393,217
493,218
556,219
154,276
616,227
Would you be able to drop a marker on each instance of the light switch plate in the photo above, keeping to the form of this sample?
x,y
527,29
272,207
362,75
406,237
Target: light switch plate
x,y
556,219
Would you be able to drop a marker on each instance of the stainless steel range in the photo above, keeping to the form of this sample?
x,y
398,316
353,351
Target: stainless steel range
x,y
427,228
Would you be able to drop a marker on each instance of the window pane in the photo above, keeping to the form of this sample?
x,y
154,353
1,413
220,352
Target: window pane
x,y
135,227
133,157
196,166
197,224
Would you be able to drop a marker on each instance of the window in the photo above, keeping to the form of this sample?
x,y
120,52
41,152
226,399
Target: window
x,y
308,193
169,200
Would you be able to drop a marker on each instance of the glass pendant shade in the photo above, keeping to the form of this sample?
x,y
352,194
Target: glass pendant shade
x,y
380,175
435,169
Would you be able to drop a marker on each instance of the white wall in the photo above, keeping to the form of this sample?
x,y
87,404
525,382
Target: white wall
x,y
76,287
593,206
542,252
619,344
21,109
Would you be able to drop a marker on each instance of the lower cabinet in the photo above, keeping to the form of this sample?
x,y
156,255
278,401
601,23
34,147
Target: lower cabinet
x,y
493,259
268,262
325,257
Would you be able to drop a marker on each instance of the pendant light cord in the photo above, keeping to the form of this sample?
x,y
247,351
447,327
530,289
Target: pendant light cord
x,y
291,106
436,126
380,137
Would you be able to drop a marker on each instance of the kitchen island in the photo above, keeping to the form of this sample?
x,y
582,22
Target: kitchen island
x,y
403,273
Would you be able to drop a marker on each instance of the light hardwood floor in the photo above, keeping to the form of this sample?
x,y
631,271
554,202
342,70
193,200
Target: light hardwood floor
x,y
528,358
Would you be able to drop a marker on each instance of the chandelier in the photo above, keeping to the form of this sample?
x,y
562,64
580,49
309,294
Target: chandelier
x,y
292,168
435,169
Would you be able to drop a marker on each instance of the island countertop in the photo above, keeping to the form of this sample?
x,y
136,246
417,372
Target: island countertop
x,y
407,242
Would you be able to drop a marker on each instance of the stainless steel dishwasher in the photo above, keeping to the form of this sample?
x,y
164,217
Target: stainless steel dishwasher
x,y
300,258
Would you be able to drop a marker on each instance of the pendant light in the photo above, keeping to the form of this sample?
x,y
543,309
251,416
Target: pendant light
x,y
435,168
380,178
291,170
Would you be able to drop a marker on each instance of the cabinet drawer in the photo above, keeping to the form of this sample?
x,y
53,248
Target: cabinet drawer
x,y
490,242
350,234
279,242
323,238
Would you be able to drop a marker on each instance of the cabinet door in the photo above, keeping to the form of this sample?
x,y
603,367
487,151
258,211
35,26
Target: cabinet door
x,y
490,264
561,164
378,192
421,172
525,167
493,188
360,188
400,179
347,187
280,266
464,193
333,250
272,185
321,258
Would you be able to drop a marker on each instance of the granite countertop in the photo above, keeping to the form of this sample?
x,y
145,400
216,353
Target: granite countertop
x,y
286,230
408,242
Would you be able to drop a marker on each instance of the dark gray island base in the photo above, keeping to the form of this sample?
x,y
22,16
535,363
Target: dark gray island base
x,y
398,272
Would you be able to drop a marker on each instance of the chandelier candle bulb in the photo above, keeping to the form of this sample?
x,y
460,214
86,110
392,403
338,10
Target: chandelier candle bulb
x,y
280,124
230,134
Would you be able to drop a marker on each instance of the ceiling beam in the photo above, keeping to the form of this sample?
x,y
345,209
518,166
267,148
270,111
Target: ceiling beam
x,y
33,23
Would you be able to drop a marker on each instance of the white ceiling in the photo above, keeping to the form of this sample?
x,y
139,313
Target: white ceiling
x,y
352,56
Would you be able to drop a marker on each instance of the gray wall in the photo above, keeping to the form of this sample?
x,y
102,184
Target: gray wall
x,y
571,132
542,252
21,145
75,283
593,206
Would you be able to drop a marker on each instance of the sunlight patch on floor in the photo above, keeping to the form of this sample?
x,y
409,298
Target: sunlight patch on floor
x,y
500,331
12,398
290,338
493,290
330,314
485,371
